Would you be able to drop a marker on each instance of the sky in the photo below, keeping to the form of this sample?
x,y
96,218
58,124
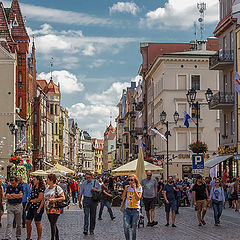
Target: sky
x,y
95,46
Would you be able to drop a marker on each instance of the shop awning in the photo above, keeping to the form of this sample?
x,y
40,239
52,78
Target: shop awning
x,y
216,160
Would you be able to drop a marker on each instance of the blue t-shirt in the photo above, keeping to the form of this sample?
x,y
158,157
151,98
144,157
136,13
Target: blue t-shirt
x,y
170,192
16,190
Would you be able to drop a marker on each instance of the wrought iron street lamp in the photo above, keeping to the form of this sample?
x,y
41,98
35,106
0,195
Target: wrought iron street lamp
x,y
163,117
209,95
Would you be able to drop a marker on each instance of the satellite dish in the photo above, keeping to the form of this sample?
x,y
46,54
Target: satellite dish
x,y
200,20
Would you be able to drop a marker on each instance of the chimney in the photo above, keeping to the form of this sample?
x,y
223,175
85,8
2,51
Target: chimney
x,y
202,45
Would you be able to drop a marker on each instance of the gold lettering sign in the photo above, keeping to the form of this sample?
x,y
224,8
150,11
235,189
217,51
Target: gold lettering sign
x,y
183,156
225,149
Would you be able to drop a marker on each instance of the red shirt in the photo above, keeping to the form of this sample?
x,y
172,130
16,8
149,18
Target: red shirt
x,y
73,187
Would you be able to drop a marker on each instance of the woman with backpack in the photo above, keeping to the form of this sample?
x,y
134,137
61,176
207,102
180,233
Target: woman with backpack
x,y
218,200
53,195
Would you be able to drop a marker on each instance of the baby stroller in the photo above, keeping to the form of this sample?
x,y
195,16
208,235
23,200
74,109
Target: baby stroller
x,y
141,218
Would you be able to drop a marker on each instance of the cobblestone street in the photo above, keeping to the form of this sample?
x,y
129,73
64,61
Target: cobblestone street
x,y
71,223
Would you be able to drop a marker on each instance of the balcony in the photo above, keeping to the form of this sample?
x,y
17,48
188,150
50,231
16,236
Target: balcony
x,y
222,100
133,114
221,60
126,130
139,106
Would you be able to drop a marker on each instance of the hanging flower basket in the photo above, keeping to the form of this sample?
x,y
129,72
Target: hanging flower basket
x,y
198,147
16,160
16,170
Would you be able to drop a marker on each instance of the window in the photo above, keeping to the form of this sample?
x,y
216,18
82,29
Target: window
x,y
225,84
56,128
56,110
195,82
20,77
19,61
56,149
181,107
181,82
51,108
52,128
232,123
225,125
20,103
231,82
182,141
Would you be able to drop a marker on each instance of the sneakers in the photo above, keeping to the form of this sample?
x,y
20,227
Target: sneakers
x,y
91,233
167,225
203,222
149,224
85,232
99,218
113,217
216,224
173,225
154,223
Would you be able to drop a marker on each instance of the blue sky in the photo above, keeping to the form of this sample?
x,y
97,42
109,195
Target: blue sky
x,y
95,46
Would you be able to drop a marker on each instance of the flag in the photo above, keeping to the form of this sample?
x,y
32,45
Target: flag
x,y
160,134
143,144
224,177
187,119
237,83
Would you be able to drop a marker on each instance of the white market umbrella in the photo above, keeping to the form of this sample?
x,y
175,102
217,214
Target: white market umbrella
x,y
56,171
39,173
131,167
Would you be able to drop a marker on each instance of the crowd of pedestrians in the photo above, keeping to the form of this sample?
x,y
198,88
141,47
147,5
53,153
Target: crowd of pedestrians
x,y
26,202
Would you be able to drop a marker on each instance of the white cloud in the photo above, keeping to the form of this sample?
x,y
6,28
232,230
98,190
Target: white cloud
x,y
181,14
68,81
96,114
109,96
124,7
60,16
97,63
74,42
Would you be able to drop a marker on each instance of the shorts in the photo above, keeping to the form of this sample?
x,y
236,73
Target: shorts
x,y
201,204
171,205
149,203
32,214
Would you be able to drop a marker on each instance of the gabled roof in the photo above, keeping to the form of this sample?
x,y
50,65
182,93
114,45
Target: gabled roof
x,y
16,20
53,88
109,129
50,87
4,29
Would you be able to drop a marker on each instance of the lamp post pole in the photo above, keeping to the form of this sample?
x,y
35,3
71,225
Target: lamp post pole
x,y
197,124
167,151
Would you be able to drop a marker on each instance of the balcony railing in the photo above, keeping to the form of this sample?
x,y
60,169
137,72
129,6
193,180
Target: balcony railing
x,y
139,106
221,100
133,114
221,59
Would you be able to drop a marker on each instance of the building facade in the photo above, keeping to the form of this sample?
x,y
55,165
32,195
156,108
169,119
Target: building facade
x,y
171,76
98,145
226,99
86,152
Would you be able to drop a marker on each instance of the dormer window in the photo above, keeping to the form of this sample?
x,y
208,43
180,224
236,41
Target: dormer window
x,y
15,22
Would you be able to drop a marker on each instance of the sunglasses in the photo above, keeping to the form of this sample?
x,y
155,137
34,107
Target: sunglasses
x,y
217,182
131,180
149,175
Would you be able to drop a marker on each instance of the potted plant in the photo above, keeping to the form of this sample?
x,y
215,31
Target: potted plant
x,y
198,147
16,160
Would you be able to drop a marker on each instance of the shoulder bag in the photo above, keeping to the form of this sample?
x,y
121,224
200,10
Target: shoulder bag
x,y
123,203
96,196
64,203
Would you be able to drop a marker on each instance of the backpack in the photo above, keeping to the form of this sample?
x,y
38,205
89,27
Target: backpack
x,y
64,203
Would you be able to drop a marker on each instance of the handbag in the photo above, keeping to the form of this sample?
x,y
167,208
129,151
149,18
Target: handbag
x,y
64,203
96,196
123,204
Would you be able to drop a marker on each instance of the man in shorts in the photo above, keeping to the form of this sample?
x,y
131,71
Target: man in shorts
x,y
200,199
149,186
170,196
